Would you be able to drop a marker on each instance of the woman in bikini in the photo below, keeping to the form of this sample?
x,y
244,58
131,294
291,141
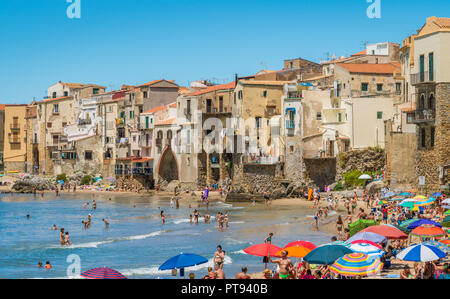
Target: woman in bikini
x,y
339,225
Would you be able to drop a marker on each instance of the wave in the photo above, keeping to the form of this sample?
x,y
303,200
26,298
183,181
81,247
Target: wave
x,y
239,252
119,239
153,271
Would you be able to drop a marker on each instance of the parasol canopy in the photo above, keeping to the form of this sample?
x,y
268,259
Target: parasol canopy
x,y
428,230
356,264
366,248
326,254
103,273
389,232
420,222
421,253
374,237
265,249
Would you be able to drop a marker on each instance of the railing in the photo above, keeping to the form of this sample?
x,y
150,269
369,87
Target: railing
x,y
293,95
14,140
14,126
187,111
425,115
422,77
253,159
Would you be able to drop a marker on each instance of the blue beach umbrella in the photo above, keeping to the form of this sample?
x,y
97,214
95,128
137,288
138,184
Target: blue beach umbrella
x,y
406,194
374,237
420,222
421,253
437,194
366,248
182,261
61,182
439,245
326,254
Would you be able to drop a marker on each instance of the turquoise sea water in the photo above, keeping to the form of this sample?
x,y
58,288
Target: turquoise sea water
x,y
136,243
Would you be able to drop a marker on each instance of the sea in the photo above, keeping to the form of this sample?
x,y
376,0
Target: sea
x,y
136,242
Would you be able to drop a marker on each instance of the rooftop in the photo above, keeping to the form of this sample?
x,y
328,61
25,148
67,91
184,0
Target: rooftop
x,y
209,89
367,68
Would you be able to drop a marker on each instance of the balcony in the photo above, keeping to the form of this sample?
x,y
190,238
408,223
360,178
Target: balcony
x,y
293,95
14,140
14,126
290,124
426,115
423,77
82,122
187,111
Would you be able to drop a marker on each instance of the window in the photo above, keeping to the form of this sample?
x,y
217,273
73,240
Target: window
x,y
188,136
66,93
265,93
398,87
433,129
240,95
364,86
431,66
220,104
423,137
319,116
55,108
64,125
146,122
49,125
379,115
54,94
131,114
379,87
422,68
88,155
95,91
340,117
145,94
410,118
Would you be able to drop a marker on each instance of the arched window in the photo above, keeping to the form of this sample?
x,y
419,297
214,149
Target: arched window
x,y
422,102
160,135
431,102
169,134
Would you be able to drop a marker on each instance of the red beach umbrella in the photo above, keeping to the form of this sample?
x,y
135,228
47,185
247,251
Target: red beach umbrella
x,y
263,250
428,230
306,244
103,273
367,242
389,232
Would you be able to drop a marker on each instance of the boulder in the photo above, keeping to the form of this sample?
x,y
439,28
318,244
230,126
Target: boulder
x,y
375,187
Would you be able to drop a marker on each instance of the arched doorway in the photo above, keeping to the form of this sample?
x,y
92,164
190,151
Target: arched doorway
x,y
168,166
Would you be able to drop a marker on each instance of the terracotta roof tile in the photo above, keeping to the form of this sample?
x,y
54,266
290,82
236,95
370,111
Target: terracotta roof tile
x,y
170,121
364,52
156,109
230,85
385,68
2,107
55,99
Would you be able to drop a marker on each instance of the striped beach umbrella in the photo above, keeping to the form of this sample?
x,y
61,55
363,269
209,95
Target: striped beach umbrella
x,y
367,242
428,231
374,237
439,245
103,273
421,253
420,197
366,248
424,203
357,264
406,223
420,222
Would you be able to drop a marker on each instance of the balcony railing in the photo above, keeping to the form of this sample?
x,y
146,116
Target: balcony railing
x,y
293,95
425,115
422,77
14,126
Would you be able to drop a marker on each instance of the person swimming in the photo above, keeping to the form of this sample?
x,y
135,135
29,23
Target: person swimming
x,y
106,223
48,266
163,217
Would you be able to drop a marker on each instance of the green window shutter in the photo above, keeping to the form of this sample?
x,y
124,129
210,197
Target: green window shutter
x,y
431,66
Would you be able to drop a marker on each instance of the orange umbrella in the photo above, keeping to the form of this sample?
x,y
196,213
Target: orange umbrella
x,y
428,230
446,242
301,243
296,251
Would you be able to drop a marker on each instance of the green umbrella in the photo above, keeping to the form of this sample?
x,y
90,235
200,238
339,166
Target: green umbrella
x,y
408,204
406,223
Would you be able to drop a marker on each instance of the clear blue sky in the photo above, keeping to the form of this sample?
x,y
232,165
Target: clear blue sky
x,y
136,41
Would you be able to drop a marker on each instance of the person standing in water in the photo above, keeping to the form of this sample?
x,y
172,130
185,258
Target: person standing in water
x,y
219,257
67,240
106,223
163,217
196,215
269,238
61,236
227,219
94,205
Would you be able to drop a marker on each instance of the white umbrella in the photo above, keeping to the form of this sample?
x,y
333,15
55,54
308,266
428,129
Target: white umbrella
x,y
447,201
365,177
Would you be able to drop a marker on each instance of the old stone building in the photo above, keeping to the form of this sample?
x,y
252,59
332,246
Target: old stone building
x,y
15,145
430,77
2,135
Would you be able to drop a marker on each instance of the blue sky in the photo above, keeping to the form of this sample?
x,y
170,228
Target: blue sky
x,y
136,41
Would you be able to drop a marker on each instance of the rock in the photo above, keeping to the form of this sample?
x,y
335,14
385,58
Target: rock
x,y
375,187
332,186
26,185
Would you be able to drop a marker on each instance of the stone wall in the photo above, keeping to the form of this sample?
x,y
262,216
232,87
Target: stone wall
x,y
370,159
321,171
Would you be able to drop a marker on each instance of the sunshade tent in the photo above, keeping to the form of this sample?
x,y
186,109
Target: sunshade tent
x,y
374,237
365,177
428,231
103,273
356,264
421,253
326,254
387,231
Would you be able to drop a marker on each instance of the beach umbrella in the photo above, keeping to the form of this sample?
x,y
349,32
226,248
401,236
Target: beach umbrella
x,y
406,194
445,242
428,231
389,194
295,251
447,212
367,242
357,264
446,207
387,231
366,248
343,243
439,245
182,261
447,201
407,204
301,243
421,253
365,177
326,254
406,223
417,208
420,197
103,273
446,222
397,198
265,249
437,194
420,222
370,236
424,203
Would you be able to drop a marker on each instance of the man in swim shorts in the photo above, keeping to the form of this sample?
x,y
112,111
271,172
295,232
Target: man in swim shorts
x,y
284,263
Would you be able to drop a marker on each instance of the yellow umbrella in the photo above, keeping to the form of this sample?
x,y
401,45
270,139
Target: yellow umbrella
x,y
420,197
296,251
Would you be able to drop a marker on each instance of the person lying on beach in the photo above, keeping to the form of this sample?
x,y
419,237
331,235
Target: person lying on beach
x,y
243,274
284,263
